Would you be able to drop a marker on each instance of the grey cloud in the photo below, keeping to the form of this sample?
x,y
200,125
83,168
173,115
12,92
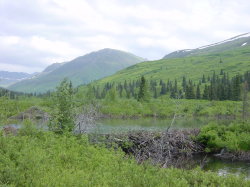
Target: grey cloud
x,y
147,29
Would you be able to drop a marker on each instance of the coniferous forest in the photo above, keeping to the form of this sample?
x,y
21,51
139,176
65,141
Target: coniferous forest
x,y
215,87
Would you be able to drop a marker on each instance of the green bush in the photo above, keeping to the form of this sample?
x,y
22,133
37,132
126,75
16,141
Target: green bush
x,y
48,159
165,107
234,137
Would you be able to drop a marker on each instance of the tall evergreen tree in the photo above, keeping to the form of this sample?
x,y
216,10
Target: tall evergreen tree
x,y
203,79
143,94
184,83
198,92
206,93
236,88
163,89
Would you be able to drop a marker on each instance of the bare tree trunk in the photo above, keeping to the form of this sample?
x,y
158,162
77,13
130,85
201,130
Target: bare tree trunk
x,y
177,104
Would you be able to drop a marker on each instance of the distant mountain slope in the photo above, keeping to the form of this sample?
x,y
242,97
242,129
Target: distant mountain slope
x,y
52,67
8,78
232,56
81,70
232,43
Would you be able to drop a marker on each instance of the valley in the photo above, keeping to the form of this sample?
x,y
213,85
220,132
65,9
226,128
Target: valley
x,y
184,117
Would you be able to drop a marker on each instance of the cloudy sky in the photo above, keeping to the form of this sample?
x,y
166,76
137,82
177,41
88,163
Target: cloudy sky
x,y
36,33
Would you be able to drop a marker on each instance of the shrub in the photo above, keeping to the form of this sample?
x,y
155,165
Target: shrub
x,y
49,159
234,137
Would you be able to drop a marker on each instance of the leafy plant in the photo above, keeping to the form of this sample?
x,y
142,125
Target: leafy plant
x,y
62,114
234,137
48,159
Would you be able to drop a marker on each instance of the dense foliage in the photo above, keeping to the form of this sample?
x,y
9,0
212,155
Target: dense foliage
x,y
35,158
62,118
10,107
11,94
215,87
143,94
234,137
165,107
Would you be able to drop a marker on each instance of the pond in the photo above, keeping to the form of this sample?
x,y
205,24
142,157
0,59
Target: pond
x,y
152,124
222,167
225,167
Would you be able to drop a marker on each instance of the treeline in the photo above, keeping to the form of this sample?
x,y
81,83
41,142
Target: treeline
x,y
12,94
216,87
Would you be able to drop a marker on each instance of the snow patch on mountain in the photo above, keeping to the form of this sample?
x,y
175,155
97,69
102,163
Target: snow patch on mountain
x,y
229,40
244,44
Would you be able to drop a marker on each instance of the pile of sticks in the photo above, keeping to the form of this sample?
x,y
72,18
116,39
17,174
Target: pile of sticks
x,y
169,148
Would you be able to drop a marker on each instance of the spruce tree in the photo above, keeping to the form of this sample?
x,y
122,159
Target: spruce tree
x,y
172,93
236,88
143,94
163,89
184,83
203,79
198,92
245,101
205,93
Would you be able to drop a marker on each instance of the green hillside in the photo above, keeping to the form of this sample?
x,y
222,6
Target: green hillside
x,y
234,60
229,44
81,70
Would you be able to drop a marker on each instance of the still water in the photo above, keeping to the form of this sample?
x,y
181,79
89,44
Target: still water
x,y
225,167
152,124
222,167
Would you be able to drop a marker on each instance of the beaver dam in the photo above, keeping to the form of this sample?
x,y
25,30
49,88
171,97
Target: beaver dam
x,y
169,148
174,148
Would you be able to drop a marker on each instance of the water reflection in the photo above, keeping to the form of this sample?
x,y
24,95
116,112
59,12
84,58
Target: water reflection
x,y
208,163
152,124
225,167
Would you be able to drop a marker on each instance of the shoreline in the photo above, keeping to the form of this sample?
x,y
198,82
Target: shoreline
x,y
217,116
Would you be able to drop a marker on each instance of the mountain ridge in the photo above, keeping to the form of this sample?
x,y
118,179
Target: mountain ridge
x,y
8,78
207,48
231,56
81,70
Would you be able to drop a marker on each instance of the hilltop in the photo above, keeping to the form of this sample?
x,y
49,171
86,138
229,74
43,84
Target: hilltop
x,y
81,70
232,56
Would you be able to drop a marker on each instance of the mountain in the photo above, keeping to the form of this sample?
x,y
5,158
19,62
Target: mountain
x,y
81,70
232,55
9,78
232,43
52,67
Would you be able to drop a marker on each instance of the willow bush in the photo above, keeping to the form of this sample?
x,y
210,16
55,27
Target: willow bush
x,y
38,158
